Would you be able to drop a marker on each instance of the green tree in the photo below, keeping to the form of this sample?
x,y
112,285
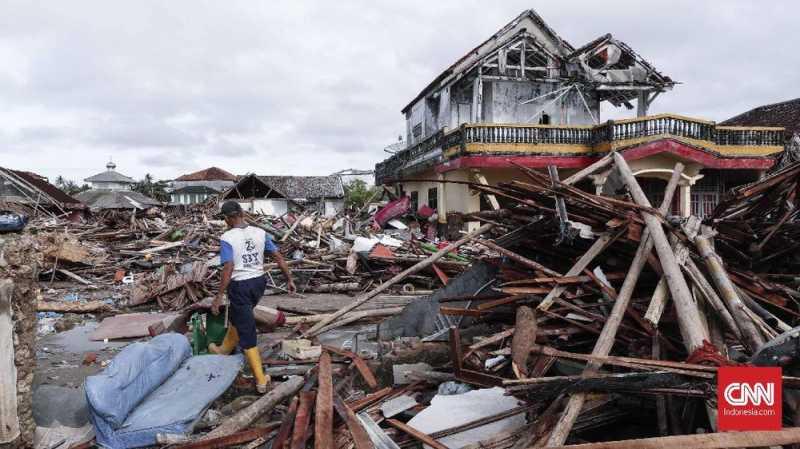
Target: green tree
x,y
154,189
69,186
357,193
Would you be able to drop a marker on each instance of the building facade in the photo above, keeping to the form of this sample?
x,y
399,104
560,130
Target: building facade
x,y
525,97
197,187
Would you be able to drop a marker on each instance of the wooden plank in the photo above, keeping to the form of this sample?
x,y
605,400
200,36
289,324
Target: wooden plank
x,y
302,420
416,434
597,247
361,439
359,363
229,440
722,440
9,421
323,418
286,426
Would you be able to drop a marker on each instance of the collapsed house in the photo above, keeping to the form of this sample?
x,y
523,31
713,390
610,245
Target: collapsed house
x,y
276,195
117,199
197,187
525,97
28,192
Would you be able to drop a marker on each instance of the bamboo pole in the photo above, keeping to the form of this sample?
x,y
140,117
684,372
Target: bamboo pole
x,y
688,312
430,260
608,335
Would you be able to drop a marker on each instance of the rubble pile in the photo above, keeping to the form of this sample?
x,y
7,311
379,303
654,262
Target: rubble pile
x,y
561,317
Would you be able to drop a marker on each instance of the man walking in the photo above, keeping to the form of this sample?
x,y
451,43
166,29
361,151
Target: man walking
x,y
242,250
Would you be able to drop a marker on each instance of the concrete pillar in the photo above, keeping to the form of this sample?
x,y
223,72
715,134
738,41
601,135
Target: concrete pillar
x,y
685,199
441,198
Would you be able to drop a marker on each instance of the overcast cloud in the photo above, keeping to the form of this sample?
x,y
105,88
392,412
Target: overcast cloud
x,y
306,87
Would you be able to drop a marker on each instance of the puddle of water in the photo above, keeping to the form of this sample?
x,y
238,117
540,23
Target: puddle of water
x,y
76,340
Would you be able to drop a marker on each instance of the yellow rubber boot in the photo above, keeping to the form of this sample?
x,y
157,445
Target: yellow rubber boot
x,y
254,359
228,343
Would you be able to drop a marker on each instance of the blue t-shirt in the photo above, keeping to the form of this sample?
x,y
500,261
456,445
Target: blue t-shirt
x,y
245,248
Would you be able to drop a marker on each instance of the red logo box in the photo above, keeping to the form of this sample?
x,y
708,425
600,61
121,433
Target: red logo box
x,y
749,398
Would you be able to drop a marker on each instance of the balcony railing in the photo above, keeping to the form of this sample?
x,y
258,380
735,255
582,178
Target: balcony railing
x,y
579,140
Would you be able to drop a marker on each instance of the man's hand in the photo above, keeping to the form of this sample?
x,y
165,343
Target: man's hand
x,y
215,305
290,287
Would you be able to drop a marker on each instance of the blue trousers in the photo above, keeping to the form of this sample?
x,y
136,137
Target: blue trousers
x,y
243,296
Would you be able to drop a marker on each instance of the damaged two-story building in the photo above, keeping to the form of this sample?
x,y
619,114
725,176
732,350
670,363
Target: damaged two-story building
x,y
527,97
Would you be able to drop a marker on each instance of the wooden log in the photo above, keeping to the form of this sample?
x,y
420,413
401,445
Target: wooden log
x,y
249,414
757,438
323,418
430,260
524,338
9,420
73,307
336,287
752,337
692,328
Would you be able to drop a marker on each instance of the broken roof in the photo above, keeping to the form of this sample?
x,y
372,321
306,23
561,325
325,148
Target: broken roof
x,y
290,187
209,174
785,114
531,26
308,187
35,188
108,199
110,176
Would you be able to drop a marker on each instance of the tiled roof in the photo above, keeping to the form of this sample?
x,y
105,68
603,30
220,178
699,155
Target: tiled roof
x,y
110,176
785,114
307,187
209,174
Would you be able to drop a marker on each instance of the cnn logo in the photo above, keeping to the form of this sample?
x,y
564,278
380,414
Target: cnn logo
x,y
739,393
749,398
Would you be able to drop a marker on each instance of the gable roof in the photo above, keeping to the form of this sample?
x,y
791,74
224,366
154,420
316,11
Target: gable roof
x,y
785,114
209,174
110,176
306,187
107,199
196,189
37,186
527,19
294,188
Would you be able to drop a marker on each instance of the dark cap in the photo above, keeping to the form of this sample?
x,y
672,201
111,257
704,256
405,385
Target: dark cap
x,y
231,208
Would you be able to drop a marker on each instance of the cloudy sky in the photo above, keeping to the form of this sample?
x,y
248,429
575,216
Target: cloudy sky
x,y
306,87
